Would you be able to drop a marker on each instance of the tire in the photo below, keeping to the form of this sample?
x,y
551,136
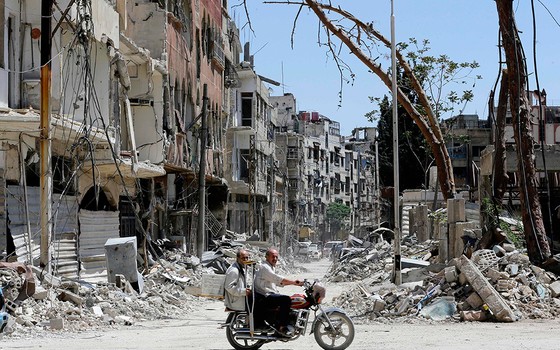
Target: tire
x,y
236,321
338,338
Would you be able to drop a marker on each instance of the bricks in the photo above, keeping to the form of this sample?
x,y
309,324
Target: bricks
x,y
450,274
488,294
474,300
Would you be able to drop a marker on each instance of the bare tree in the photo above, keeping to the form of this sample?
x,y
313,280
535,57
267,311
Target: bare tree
x,y
362,39
533,224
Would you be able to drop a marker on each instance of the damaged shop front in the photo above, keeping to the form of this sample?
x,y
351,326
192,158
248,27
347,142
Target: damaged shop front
x,y
85,213
183,208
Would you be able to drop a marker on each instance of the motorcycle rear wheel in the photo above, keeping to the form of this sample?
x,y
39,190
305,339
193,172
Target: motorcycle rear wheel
x,y
338,337
237,321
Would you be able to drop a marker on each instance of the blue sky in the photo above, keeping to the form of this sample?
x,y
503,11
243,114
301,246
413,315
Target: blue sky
x,y
465,30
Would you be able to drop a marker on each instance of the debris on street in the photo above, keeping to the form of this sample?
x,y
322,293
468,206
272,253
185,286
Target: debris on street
x,y
36,301
498,284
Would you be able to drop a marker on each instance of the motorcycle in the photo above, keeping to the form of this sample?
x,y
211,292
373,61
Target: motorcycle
x,y
332,327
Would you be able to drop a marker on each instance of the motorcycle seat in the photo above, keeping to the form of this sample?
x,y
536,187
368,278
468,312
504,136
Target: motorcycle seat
x,y
227,309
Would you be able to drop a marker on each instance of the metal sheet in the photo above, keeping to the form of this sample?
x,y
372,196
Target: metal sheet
x,y
96,227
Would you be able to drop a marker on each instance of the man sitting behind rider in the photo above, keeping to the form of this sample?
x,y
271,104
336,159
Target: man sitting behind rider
x,y
266,290
235,284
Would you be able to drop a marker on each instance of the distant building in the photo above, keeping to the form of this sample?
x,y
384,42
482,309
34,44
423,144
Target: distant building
x,y
467,136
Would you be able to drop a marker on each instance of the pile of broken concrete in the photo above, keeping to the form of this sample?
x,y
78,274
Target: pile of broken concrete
x,y
38,303
56,304
499,284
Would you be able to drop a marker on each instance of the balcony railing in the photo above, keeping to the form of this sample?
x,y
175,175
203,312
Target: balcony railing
x,y
218,55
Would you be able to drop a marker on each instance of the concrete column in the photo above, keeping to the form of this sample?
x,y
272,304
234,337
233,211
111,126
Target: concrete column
x,y
487,293
455,214
441,233
456,244
422,223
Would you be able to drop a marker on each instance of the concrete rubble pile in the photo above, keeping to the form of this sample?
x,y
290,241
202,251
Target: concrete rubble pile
x,y
499,285
40,302
360,263
59,304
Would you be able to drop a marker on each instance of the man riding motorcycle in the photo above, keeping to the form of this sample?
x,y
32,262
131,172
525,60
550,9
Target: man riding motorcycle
x,y
267,295
235,284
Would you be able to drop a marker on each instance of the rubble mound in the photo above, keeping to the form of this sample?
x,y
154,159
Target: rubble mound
x,y
497,285
171,285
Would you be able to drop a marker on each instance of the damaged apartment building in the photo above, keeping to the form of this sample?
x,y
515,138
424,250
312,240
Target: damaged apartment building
x,y
323,167
134,85
131,82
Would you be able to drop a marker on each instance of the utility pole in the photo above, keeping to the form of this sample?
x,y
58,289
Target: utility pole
x,y
201,234
397,277
271,207
358,194
45,140
252,179
285,239
377,192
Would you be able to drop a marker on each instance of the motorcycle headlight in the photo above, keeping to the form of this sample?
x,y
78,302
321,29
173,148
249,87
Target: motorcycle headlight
x,y
319,293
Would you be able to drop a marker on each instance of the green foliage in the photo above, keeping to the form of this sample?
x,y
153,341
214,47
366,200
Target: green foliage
x,y
491,212
439,216
514,236
440,78
414,152
338,212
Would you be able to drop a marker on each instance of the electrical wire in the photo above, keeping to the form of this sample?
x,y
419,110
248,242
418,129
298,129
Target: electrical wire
x,y
519,51
542,122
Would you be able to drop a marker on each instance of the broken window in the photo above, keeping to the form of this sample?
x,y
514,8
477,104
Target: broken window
x,y
247,109
292,153
244,159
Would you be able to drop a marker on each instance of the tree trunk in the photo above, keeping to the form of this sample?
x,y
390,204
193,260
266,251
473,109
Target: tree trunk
x,y
533,224
500,176
427,122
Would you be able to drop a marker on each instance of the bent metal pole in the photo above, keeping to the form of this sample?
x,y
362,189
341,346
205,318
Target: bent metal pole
x,y
44,140
396,203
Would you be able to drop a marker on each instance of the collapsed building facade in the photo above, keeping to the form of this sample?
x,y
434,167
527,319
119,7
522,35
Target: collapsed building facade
x,y
130,83
134,86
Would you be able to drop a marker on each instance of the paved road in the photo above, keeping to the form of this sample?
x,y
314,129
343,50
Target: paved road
x,y
199,330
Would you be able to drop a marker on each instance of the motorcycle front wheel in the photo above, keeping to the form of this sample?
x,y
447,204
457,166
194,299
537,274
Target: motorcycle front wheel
x,y
339,336
237,321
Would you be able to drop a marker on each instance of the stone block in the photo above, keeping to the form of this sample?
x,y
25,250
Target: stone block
x,y
379,305
474,300
69,296
97,311
40,293
450,274
473,315
496,275
555,289
456,210
508,247
56,323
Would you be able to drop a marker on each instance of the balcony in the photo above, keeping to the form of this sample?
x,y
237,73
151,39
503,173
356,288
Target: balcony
x,y
218,59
